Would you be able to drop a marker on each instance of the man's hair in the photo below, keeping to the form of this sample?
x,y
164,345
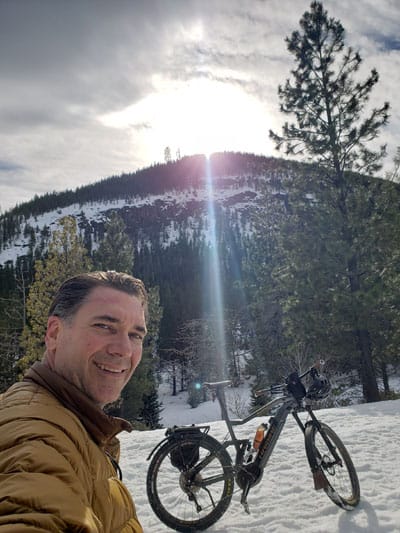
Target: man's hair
x,y
74,291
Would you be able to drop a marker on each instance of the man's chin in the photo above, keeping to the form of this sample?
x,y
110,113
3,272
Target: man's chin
x,y
110,403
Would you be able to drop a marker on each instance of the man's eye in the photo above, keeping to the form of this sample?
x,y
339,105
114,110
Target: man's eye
x,y
102,326
136,337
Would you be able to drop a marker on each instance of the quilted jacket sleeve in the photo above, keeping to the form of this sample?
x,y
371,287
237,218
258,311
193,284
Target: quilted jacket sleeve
x,y
54,478
41,489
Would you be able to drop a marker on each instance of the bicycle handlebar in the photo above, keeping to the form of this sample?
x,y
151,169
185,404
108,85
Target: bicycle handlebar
x,y
282,387
314,370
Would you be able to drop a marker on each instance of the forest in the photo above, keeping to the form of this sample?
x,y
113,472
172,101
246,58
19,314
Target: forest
x,y
302,263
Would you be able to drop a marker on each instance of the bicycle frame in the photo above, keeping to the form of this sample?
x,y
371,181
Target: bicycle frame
x,y
254,470
246,469
287,405
276,423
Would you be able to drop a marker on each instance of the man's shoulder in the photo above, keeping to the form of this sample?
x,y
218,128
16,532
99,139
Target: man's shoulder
x,y
26,393
28,400
36,430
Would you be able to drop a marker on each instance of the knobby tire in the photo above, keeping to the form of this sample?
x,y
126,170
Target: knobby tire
x,y
164,479
342,487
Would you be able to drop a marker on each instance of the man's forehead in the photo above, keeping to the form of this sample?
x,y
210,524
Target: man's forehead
x,y
101,298
110,294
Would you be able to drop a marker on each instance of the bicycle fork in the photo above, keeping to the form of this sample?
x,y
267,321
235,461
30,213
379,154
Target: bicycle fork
x,y
320,481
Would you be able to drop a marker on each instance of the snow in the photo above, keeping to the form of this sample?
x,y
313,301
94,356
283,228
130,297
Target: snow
x,y
285,500
98,211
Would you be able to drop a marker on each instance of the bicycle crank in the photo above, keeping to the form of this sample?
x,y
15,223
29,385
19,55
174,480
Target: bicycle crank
x,y
249,476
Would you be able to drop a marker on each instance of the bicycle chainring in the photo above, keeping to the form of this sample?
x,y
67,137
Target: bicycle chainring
x,y
249,474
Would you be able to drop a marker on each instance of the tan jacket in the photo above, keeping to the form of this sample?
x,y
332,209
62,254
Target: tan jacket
x,y
55,474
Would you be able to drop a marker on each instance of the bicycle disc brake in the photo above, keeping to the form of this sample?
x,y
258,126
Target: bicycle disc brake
x,y
192,486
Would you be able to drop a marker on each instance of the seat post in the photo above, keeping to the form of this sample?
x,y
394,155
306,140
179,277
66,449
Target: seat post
x,y
224,410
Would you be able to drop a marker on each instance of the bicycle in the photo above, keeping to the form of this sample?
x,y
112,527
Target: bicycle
x,y
190,458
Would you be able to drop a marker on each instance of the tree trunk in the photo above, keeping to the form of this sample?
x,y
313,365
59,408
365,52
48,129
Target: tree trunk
x,y
183,377
173,379
367,372
369,383
385,377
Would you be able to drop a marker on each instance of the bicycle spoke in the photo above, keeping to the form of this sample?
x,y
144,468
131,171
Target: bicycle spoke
x,y
327,454
205,487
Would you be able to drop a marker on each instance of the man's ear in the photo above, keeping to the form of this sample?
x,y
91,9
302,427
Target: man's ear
x,y
52,332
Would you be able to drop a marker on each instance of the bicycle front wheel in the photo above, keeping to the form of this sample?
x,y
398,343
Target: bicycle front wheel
x,y
328,457
190,482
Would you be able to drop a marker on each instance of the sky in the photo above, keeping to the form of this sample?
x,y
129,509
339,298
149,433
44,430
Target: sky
x,y
285,500
92,88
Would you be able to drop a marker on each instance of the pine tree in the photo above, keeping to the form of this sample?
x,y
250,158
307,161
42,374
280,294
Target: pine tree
x,y
9,349
115,251
167,154
14,283
66,257
394,174
333,129
138,395
151,410
327,101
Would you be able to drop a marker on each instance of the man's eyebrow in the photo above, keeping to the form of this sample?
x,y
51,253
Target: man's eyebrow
x,y
114,320
107,318
141,329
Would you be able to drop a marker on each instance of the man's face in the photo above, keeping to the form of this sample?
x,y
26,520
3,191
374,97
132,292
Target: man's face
x,y
98,348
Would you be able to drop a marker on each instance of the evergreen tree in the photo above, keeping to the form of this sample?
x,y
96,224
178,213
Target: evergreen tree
x,y
115,251
10,330
167,154
394,174
151,410
13,287
332,128
264,322
327,101
138,396
66,257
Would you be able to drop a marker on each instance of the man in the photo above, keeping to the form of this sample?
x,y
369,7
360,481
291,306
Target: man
x,y
58,449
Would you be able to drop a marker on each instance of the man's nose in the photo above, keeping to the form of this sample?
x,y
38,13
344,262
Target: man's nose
x,y
120,346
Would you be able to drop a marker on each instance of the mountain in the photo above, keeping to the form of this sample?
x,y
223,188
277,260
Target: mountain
x,y
176,214
160,205
211,235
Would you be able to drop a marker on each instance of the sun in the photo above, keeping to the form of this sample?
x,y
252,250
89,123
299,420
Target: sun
x,y
201,116
207,116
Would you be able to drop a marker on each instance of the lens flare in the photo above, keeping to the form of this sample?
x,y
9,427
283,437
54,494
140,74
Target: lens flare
x,y
213,271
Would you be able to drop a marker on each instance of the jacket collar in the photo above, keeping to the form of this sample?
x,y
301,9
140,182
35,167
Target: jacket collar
x,y
102,427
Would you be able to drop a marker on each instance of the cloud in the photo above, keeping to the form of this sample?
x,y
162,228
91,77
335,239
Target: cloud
x,y
66,64
8,166
386,43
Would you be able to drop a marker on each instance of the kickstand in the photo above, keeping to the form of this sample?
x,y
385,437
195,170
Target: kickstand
x,y
243,499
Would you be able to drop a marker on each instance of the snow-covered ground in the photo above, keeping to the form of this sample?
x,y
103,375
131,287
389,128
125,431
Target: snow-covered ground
x,y
285,500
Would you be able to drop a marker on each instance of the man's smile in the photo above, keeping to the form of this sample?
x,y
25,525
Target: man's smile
x,y
110,369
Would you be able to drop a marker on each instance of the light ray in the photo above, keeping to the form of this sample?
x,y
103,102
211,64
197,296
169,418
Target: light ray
x,y
216,298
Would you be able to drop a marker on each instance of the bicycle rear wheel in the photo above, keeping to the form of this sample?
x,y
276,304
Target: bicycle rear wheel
x,y
192,495
334,463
